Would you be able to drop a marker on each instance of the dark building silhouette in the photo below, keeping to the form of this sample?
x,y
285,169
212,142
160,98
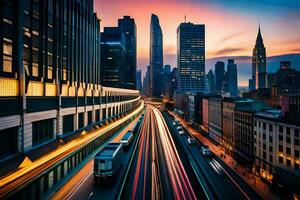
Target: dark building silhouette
x,y
146,82
167,69
219,73
139,80
156,56
259,66
210,81
191,57
232,78
128,27
113,58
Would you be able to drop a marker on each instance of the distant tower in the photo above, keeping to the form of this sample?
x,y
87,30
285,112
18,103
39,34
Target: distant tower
x,y
259,68
219,74
156,56
232,78
191,57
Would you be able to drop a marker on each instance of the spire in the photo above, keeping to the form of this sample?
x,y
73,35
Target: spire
x,y
259,38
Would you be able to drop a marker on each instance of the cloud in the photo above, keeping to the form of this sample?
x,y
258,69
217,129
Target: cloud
x,y
227,51
229,37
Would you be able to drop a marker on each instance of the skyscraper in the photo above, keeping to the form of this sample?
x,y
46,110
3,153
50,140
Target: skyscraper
x,y
191,57
259,68
210,81
156,56
128,27
232,78
113,71
219,73
139,80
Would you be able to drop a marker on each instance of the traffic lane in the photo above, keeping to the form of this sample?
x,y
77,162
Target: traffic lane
x,y
163,172
90,190
230,173
212,176
134,182
225,187
178,177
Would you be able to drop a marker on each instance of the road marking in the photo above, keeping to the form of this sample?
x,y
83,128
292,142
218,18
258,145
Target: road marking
x,y
79,185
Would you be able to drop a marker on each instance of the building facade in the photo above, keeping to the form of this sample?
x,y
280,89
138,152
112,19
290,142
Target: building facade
x,y
219,73
139,80
191,57
232,78
156,56
277,149
50,74
128,27
210,77
215,119
228,124
113,58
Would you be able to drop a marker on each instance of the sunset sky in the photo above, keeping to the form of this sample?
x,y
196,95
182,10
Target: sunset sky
x,y
231,25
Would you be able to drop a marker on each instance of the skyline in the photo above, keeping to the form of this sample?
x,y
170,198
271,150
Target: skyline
x,y
274,17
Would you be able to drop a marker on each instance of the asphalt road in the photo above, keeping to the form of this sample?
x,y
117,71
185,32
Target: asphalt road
x,y
222,182
158,171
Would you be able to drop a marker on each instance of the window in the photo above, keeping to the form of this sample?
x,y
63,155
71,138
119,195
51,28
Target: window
x,y
42,131
288,162
280,148
280,137
270,148
80,120
288,131
8,142
35,69
264,126
288,150
288,140
280,129
68,123
296,142
297,153
90,117
270,128
270,159
280,159
296,133
270,139
296,166
7,55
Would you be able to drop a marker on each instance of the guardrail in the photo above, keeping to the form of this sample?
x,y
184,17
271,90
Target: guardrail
x,y
34,181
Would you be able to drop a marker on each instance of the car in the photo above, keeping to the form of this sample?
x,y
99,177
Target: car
x,y
206,151
181,132
179,127
191,140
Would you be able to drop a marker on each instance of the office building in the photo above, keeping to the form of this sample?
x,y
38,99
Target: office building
x,y
113,58
139,80
232,78
219,73
259,64
128,27
50,75
215,119
156,56
210,77
243,130
191,57
228,124
277,149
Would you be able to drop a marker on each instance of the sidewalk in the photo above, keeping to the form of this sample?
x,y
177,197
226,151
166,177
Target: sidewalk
x,y
255,182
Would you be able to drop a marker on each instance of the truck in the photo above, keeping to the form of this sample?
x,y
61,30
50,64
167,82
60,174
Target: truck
x,y
107,163
126,139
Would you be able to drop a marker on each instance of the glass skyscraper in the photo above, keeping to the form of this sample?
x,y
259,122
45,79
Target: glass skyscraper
x,y
156,56
191,57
